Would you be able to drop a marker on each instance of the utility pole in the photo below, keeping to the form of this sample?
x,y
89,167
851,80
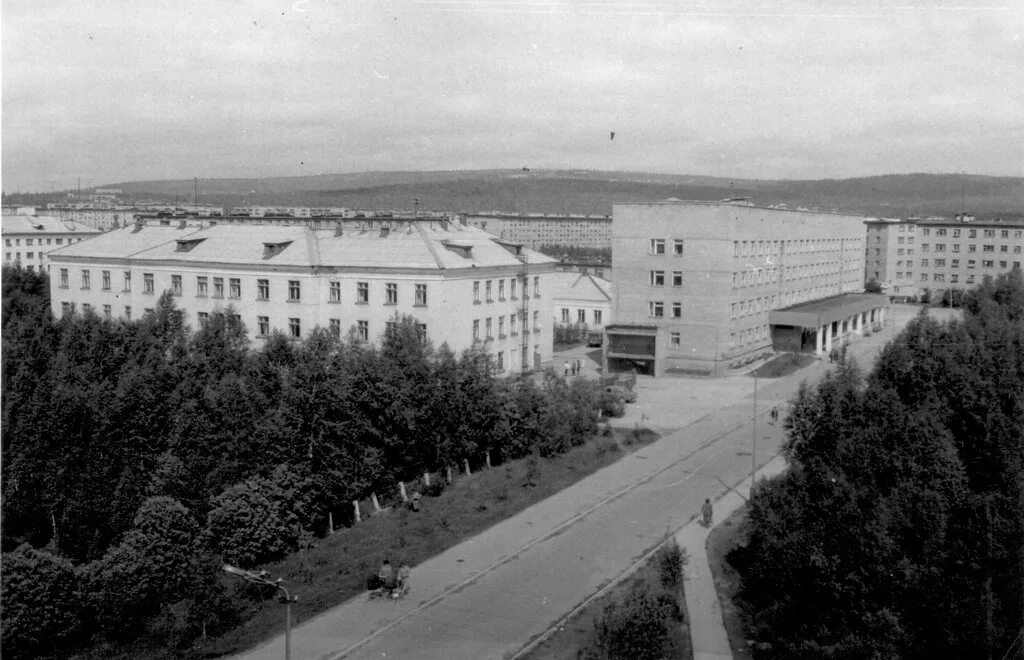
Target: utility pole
x,y
753,440
195,194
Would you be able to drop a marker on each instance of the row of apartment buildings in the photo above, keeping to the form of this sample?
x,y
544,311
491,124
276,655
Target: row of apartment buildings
x,y
464,287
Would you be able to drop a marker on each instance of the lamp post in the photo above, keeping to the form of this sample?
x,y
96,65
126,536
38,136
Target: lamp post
x,y
285,599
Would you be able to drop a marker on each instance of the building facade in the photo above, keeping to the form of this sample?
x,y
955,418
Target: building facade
x,y
537,229
694,282
581,299
464,287
923,258
28,239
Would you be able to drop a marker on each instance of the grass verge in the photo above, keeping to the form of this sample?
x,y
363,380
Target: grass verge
x,y
724,538
783,365
573,638
336,568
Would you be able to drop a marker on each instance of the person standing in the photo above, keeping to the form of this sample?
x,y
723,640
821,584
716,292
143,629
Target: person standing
x,y
566,368
579,367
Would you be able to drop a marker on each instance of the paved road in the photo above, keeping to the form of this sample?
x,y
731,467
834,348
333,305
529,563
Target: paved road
x,y
489,596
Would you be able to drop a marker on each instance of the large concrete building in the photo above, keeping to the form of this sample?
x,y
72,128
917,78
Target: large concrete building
x,y
926,257
696,284
537,229
463,286
29,238
581,299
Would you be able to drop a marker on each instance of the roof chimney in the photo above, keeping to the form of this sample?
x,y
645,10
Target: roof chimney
x,y
181,224
384,231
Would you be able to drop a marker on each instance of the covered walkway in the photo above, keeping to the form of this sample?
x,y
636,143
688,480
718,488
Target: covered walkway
x,y
821,325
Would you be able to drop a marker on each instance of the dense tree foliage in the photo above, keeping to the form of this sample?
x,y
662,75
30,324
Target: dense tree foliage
x,y
898,532
143,452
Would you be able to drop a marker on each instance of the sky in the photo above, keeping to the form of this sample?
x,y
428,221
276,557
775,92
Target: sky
x,y
112,91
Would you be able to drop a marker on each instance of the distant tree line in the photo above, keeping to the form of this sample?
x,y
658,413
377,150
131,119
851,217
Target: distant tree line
x,y
139,456
898,531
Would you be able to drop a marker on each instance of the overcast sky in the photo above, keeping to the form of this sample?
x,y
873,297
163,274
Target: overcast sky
x,y
114,91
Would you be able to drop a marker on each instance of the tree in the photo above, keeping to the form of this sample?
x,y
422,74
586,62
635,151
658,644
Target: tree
x,y
41,603
247,524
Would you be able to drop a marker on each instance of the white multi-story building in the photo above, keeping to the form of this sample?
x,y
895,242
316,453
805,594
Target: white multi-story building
x,y
581,299
463,286
29,238
538,229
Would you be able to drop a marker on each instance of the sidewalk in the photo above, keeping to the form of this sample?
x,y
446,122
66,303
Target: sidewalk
x,y
708,638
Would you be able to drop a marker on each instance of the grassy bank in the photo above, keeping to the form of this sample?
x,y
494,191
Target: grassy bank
x,y
337,567
724,538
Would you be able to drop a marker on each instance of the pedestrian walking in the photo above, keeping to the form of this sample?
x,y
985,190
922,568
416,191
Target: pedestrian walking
x,y
572,368
775,414
705,512
579,367
566,368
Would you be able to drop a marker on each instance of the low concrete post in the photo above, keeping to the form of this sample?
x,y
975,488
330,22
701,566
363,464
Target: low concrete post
x,y
401,488
376,504
487,455
426,478
448,471
465,462
330,522
355,506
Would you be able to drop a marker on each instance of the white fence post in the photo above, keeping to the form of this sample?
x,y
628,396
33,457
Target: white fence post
x,y
401,487
426,478
465,462
376,504
355,505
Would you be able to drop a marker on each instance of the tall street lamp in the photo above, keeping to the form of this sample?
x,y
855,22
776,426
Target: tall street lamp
x,y
285,599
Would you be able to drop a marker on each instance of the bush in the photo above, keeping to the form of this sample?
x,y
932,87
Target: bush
x,y
41,603
636,628
671,560
246,526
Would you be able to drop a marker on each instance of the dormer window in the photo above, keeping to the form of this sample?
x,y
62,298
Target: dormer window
x,y
274,249
464,250
186,244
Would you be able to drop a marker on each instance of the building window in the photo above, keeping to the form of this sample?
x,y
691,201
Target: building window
x,y
501,361
204,318
972,248
954,278
1004,233
988,248
673,340
476,329
512,288
421,331
106,312
677,278
86,277
294,327
1004,248
63,278
581,316
127,280
421,294
60,241
294,291
391,293
926,231
362,293
476,291
262,289
487,290
235,287
536,321
987,263
536,287
956,247
924,277
597,317
657,246
940,263
657,278
677,310
677,248
127,312
201,286
501,327
939,277
218,287
147,283
512,325
105,280
263,323
86,309
67,309
490,333
565,315
656,309
501,289
990,233
176,284
924,263
336,327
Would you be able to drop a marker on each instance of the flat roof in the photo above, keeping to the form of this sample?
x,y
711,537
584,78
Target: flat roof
x,y
733,204
817,313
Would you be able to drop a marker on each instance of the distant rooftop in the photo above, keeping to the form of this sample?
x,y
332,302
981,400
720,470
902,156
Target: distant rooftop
x,y
43,224
741,202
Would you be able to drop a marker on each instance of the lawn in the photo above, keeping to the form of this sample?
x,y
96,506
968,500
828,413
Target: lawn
x,y
724,538
572,635
336,569
783,365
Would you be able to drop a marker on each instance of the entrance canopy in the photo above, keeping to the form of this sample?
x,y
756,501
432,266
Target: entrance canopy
x,y
817,313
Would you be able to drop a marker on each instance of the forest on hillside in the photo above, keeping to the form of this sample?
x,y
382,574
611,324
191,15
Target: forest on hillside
x,y
898,531
139,456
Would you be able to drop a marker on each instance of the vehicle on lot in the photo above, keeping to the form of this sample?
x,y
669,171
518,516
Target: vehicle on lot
x,y
595,338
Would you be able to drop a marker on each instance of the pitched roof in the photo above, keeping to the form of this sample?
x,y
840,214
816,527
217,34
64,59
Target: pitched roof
x,y
43,224
580,286
405,245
